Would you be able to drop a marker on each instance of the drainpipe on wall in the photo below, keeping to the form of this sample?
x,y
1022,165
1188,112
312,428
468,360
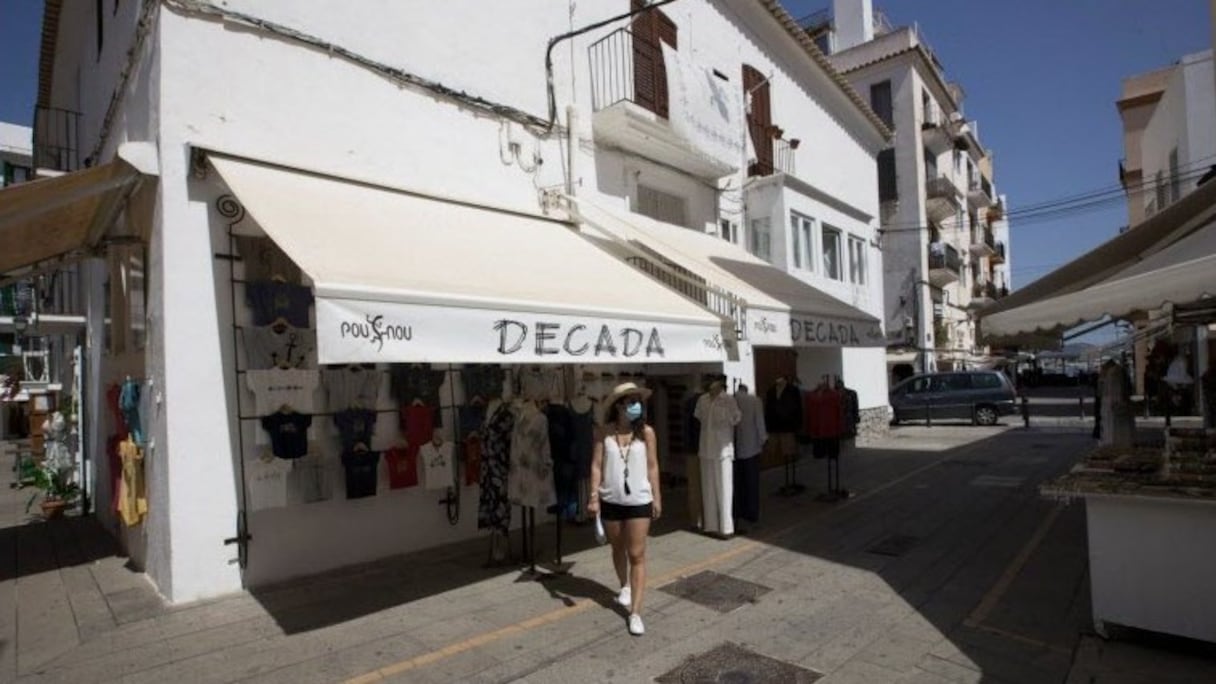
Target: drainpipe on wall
x,y
572,123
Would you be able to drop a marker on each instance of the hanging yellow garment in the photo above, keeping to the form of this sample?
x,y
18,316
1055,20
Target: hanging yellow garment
x,y
132,499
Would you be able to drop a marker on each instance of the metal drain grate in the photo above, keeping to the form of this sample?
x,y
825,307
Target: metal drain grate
x,y
719,592
895,545
732,664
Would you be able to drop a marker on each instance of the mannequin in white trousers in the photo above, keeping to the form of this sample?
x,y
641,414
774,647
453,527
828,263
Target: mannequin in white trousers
x,y
719,414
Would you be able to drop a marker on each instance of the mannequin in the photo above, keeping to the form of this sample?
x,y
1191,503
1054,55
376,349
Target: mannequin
x,y
719,414
750,437
782,421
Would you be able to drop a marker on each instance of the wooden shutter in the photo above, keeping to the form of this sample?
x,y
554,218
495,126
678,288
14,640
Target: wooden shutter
x,y
649,72
759,121
888,188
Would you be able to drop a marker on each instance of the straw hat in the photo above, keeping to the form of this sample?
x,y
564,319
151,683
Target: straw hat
x,y
626,389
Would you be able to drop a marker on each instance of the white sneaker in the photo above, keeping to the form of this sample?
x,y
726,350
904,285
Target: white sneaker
x,y
625,598
636,627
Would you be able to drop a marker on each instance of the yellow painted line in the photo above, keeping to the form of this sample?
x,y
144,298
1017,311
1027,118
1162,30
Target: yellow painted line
x,y
994,595
581,605
1022,638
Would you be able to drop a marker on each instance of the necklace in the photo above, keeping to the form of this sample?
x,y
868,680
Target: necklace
x,y
623,446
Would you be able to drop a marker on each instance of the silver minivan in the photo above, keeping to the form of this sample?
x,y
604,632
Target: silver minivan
x,y
979,396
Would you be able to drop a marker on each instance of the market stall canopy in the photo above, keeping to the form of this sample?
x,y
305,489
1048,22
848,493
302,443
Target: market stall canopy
x,y
403,277
1182,273
1152,235
67,215
781,310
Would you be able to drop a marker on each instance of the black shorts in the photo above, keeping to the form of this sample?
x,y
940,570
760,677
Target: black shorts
x,y
611,511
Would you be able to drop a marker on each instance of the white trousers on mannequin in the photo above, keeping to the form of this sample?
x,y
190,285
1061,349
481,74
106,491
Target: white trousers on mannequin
x,y
717,492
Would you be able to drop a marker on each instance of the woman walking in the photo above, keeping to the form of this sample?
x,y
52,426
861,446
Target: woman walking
x,y
625,491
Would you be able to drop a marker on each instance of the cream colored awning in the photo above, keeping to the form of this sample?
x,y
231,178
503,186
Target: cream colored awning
x,y
782,310
400,276
59,217
1100,264
1182,273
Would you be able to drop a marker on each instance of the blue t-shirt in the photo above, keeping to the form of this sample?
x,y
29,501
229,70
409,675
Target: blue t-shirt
x,y
362,468
272,300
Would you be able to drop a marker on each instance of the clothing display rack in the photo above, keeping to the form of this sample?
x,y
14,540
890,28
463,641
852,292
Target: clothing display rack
x,y
791,486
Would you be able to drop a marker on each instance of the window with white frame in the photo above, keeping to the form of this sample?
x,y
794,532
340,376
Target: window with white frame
x,y
857,260
760,240
831,253
801,242
662,206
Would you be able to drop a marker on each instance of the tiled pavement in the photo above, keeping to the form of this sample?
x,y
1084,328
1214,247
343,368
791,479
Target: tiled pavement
x,y
991,588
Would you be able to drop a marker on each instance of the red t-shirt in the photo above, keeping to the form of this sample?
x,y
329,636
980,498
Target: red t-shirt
x,y
472,459
824,418
418,425
402,467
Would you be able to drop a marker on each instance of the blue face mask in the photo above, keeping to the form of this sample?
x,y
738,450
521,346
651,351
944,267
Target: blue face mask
x,y
633,411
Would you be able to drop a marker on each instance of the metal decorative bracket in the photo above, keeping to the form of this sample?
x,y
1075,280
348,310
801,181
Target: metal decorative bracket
x,y
231,209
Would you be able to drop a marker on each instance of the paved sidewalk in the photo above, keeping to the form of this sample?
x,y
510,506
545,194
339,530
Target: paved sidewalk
x,y
945,566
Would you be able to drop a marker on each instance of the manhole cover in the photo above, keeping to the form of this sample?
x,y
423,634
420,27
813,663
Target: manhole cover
x,y
722,593
732,664
895,545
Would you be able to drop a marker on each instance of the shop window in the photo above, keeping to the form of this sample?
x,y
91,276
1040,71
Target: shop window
x,y
662,206
831,253
760,239
857,261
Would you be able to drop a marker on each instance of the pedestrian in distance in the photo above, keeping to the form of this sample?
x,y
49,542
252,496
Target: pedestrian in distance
x,y
625,491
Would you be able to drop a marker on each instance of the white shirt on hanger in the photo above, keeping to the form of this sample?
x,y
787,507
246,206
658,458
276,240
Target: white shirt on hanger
x,y
274,388
436,464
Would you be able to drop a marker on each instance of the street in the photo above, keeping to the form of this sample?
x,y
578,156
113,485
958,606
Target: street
x,y
946,565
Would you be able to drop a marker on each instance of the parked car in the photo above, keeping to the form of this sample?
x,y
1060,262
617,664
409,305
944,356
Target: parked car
x,y
979,396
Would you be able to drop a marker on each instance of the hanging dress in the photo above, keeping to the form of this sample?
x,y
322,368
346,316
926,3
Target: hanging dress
x,y
494,509
530,482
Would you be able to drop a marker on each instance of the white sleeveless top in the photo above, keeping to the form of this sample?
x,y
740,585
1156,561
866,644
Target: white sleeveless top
x,y
612,470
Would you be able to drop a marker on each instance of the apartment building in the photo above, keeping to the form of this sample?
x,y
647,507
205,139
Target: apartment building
x,y
941,213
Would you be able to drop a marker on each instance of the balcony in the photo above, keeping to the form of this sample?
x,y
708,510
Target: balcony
x,y
979,192
996,212
629,101
782,161
936,131
56,139
983,294
945,264
998,254
941,198
984,244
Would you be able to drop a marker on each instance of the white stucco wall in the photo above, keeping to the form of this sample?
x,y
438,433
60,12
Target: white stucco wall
x,y
1182,120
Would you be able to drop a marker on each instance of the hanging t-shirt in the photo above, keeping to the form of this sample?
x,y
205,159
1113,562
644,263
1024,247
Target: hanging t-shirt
x,y
271,301
402,468
266,479
351,387
362,469
310,479
268,347
288,433
416,381
437,464
472,459
355,426
417,424
275,388
263,260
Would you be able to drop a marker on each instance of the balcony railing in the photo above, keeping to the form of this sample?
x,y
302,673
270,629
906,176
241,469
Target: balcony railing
x,y
984,291
614,75
783,161
944,257
695,288
999,256
56,139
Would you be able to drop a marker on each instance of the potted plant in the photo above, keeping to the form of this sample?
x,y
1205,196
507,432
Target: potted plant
x,y
58,491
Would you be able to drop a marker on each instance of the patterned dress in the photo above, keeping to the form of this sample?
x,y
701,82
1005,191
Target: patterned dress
x,y
494,509
531,474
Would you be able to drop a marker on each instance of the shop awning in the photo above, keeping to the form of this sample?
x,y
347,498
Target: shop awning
x,y
55,218
782,310
1105,261
1181,273
402,277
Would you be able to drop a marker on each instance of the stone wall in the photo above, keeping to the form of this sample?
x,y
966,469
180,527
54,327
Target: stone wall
x,y
875,423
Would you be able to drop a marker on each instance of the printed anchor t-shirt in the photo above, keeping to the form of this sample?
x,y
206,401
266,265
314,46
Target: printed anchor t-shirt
x,y
266,347
288,433
273,300
361,473
437,464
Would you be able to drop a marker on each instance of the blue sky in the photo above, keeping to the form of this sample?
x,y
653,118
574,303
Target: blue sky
x,y
1041,78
